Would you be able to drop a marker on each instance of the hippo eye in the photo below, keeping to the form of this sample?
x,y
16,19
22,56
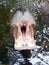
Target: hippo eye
x,y
23,29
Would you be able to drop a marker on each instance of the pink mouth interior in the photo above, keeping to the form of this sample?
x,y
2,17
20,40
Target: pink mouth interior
x,y
23,29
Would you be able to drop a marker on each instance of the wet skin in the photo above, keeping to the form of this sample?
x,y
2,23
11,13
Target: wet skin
x,y
21,32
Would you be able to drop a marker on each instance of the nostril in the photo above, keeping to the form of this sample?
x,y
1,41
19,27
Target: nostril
x,y
23,29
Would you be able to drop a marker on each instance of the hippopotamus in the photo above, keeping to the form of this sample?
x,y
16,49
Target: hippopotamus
x,y
23,30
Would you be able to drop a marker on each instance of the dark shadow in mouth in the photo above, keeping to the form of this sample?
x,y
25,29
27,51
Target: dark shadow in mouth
x,y
23,29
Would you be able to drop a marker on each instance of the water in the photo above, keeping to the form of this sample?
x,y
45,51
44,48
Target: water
x,y
31,57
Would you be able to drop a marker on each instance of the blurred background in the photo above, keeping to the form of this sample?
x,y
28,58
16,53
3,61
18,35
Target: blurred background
x,y
39,9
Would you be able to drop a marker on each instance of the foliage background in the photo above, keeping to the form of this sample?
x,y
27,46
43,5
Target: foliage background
x,y
7,7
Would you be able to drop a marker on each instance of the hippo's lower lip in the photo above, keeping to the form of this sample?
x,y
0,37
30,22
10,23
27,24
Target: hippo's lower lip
x,y
23,29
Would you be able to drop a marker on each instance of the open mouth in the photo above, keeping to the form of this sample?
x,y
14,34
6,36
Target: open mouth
x,y
23,29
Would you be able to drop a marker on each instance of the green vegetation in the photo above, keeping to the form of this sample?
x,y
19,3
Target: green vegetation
x,y
6,8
